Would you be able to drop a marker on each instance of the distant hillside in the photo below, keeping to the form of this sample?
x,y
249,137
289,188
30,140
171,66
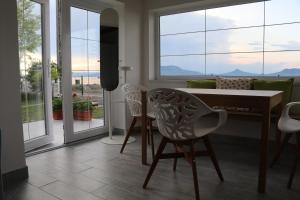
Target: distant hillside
x,y
286,72
238,72
176,71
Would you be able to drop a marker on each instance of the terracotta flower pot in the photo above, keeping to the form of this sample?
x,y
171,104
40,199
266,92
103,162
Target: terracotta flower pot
x,y
57,115
85,115
76,115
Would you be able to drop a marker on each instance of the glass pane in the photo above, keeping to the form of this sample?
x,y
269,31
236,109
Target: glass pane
x,y
282,11
88,104
94,89
235,40
282,37
192,43
93,26
31,69
79,23
182,65
282,63
79,54
94,56
238,64
182,22
251,14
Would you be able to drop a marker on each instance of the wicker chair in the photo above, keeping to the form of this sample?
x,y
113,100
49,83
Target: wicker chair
x,y
133,99
182,120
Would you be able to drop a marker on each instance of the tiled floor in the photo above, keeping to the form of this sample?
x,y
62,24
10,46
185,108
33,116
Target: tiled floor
x,y
95,171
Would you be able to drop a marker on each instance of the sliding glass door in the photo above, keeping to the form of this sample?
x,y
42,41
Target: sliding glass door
x,y
84,99
35,72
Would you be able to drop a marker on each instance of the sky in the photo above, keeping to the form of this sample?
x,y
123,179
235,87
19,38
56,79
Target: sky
x,y
85,49
277,38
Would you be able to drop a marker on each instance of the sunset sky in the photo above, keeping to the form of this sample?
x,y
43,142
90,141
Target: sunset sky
x,y
246,40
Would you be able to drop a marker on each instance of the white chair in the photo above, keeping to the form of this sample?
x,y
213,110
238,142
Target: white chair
x,y
183,119
290,127
133,99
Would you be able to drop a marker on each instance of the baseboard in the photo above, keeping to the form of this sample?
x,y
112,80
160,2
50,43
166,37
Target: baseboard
x,y
12,178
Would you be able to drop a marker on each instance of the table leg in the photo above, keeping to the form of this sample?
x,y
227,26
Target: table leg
x,y
144,127
263,163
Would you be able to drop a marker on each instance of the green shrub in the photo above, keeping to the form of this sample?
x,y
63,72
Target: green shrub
x,y
57,104
85,106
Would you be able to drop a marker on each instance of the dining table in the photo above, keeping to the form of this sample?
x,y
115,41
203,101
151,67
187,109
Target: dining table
x,y
260,101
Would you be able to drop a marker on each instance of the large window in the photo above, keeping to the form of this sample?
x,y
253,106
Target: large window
x,y
255,39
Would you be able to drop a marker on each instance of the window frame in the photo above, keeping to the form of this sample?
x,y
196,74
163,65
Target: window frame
x,y
198,7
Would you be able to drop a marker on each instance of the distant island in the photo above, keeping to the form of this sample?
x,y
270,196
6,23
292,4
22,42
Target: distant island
x,y
178,71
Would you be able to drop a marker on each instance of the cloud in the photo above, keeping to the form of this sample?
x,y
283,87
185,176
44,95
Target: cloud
x,y
192,43
290,45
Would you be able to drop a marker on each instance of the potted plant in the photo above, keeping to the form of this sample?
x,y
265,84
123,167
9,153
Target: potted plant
x,y
76,109
85,109
57,108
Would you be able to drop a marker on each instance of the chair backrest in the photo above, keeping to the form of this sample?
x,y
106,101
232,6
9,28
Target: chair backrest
x,y
176,112
286,123
133,98
126,88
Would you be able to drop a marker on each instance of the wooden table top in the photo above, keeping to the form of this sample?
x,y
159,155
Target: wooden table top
x,y
252,93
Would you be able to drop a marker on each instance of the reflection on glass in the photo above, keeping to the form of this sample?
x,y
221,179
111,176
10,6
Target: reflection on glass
x,y
235,40
88,105
31,69
93,55
93,26
238,64
182,22
193,65
282,63
192,43
244,15
78,23
282,11
282,37
79,54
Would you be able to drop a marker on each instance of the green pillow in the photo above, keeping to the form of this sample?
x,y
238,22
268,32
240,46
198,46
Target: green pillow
x,y
282,85
204,83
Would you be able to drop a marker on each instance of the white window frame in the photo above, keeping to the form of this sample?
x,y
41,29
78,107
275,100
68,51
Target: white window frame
x,y
190,8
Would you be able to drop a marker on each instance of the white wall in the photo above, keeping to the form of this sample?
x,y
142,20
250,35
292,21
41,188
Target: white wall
x,y
10,100
133,17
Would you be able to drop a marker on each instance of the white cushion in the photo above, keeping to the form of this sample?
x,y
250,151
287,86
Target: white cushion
x,y
234,83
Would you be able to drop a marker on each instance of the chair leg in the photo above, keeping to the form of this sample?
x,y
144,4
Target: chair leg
x,y
148,132
294,168
278,135
212,155
194,169
161,148
175,160
280,148
128,133
151,139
